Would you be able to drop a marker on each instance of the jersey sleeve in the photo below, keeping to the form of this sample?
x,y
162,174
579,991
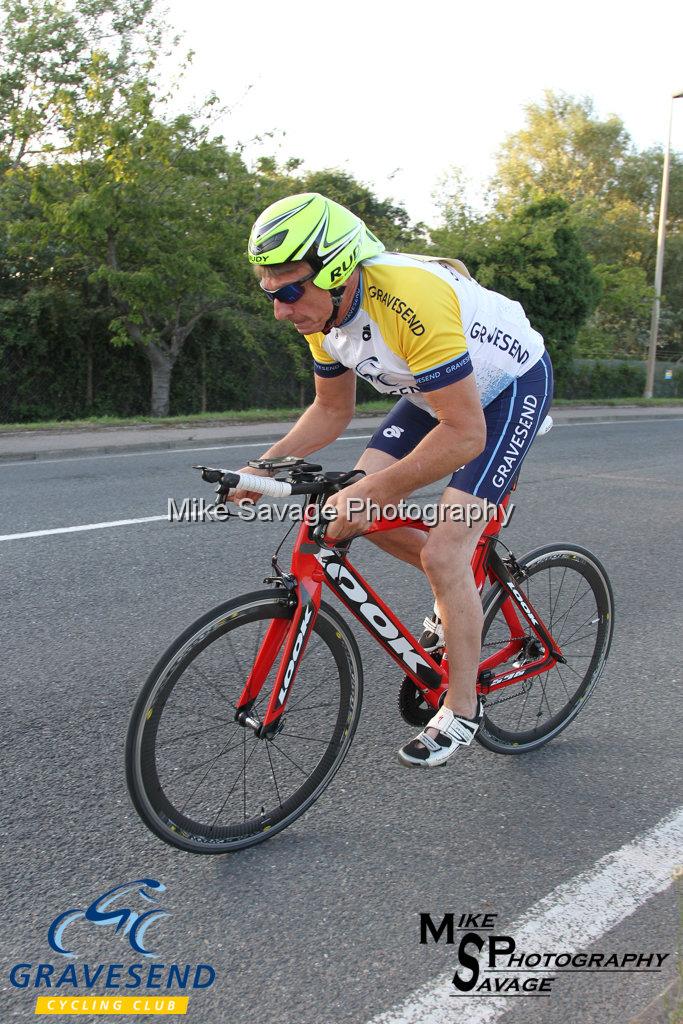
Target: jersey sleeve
x,y
323,364
422,315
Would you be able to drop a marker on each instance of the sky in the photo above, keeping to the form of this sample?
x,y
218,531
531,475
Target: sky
x,y
398,93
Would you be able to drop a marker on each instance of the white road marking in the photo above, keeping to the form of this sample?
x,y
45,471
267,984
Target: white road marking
x,y
177,451
79,529
8,463
569,919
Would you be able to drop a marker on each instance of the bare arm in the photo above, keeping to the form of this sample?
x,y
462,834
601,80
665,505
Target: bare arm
x,y
458,437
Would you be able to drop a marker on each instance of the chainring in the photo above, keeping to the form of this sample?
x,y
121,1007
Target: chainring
x,y
413,707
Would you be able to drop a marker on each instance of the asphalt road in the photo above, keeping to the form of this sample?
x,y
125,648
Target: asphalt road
x,y
322,922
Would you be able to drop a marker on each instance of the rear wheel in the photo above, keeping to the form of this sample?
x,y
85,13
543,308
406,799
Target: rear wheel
x,y
207,784
570,590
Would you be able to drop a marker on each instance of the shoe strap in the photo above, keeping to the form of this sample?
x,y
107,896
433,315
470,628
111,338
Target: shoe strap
x,y
429,742
434,626
462,730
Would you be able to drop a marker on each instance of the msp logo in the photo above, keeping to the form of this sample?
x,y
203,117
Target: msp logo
x,y
498,966
101,912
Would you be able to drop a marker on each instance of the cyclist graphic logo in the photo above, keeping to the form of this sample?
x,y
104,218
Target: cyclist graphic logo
x,y
102,912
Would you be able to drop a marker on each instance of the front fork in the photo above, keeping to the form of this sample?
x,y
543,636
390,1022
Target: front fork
x,y
301,591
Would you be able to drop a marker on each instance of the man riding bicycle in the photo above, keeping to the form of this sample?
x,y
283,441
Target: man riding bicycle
x,y
474,383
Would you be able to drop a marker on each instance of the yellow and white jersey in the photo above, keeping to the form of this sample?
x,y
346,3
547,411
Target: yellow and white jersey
x,y
418,323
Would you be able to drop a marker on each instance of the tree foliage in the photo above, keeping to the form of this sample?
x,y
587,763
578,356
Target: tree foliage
x,y
123,228
614,192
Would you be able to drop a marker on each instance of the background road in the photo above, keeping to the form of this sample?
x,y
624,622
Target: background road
x,y
322,923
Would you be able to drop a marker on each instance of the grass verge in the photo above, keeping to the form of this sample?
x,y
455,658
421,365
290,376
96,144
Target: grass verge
x,y
286,413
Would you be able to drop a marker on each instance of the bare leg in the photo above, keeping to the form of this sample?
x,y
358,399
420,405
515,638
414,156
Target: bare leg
x,y
445,555
406,544
446,559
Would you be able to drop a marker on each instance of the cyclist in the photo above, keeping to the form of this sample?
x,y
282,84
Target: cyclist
x,y
473,382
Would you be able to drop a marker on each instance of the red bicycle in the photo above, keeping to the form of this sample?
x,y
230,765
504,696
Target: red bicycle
x,y
250,713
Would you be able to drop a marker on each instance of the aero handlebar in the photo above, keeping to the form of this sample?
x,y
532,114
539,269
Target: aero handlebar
x,y
262,484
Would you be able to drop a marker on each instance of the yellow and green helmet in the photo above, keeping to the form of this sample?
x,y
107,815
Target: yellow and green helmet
x,y
312,228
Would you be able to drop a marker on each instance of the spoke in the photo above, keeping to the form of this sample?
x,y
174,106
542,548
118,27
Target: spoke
x,y
553,605
207,773
200,764
589,622
573,670
196,732
234,654
296,736
305,696
572,601
563,683
289,759
209,682
179,708
563,619
272,772
259,637
244,776
545,695
526,697
218,812
579,639
311,707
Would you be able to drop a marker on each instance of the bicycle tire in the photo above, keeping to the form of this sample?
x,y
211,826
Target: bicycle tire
x,y
498,733
150,775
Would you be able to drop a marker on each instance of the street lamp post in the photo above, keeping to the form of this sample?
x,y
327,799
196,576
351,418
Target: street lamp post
x,y
659,265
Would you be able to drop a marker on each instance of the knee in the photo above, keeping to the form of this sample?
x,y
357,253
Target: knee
x,y
444,560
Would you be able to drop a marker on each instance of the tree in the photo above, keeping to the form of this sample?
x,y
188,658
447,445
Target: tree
x,y
160,217
536,257
147,207
566,149
46,49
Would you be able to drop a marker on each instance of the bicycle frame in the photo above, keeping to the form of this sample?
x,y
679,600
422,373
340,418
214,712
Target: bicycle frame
x,y
313,565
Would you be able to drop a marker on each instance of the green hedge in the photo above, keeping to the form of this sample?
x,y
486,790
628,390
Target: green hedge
x,y
614,379
232,373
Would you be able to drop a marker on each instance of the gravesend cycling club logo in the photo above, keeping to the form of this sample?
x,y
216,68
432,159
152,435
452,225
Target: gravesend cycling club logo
x,y
102,912
490,963
129,915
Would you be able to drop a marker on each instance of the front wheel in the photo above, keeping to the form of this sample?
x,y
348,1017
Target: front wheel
x,y
570,590
203,782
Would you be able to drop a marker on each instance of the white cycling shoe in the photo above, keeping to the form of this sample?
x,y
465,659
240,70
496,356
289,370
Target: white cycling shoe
x,y
453,731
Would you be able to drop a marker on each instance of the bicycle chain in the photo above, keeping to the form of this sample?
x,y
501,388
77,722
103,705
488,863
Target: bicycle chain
x,y
526,686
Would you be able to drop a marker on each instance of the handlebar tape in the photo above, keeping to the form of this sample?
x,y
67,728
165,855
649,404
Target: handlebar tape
x,y
261,484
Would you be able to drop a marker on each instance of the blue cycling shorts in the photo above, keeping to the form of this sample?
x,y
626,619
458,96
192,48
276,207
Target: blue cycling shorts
x,y
512,422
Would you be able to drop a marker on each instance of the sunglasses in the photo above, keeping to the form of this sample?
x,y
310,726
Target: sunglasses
x,y
289,293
